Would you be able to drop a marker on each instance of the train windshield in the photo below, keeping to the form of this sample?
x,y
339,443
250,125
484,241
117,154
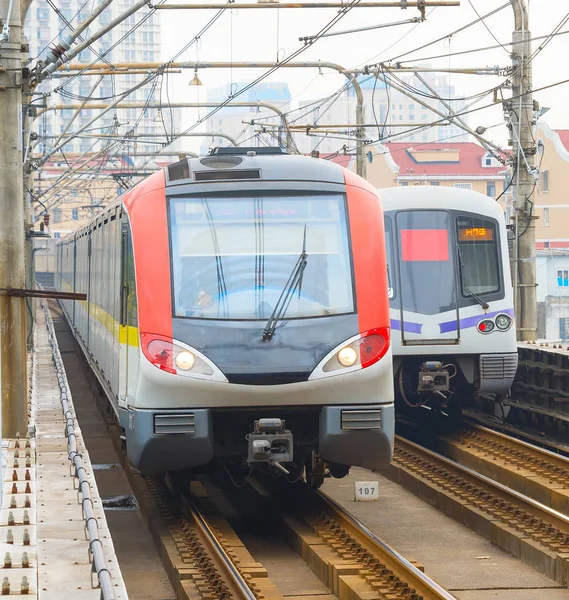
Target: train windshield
x,y
232,257
478,255
426,266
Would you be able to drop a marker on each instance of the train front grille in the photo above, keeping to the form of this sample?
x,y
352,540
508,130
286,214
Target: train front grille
x,y
498,366
361,419
174,423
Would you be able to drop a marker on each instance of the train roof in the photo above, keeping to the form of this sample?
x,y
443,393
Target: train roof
x,y
252,165
438,197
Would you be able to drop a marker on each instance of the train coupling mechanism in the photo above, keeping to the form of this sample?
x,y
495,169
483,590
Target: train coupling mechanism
x,y
433,378
270,443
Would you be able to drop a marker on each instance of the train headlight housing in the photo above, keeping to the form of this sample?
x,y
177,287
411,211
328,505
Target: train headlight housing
x,y
172,357
185,360
486,326
358,352
503,322
347,356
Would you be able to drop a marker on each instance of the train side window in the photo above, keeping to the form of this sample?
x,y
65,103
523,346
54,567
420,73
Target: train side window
x,y
389,254
478,254
128,281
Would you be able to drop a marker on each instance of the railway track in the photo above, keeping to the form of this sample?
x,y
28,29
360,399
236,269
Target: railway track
x,y
206,557
493,485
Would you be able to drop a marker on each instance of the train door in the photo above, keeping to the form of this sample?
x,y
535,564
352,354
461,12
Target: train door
x,y
128,353
426,279
123,316
88,306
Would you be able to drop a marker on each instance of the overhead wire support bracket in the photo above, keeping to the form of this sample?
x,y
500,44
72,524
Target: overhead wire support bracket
x,y
309,38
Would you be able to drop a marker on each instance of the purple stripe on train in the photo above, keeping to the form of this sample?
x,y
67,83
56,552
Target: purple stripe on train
x,y
472,321
408,326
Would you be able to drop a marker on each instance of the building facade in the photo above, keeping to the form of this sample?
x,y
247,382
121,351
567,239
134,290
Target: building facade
x,y
552,274
463,165
44,27
389,113
551,197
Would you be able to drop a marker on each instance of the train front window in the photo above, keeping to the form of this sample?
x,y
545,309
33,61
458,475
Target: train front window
x,y
478,255
232,257
426,266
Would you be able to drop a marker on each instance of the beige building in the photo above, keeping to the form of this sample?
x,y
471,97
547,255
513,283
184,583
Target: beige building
x,y
463,165
551,196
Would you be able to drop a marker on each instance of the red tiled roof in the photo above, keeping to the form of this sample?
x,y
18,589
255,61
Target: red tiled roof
x,y
564,137
470,159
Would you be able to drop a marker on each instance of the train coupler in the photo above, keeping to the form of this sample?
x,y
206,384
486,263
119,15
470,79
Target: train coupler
x,y
433,378
270,442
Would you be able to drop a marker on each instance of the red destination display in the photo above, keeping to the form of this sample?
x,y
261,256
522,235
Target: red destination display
x,y
424,245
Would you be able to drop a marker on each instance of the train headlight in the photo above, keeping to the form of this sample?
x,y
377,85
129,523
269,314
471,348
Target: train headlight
x,y
356,353
486,326
347,356
185,360
503,322
171,356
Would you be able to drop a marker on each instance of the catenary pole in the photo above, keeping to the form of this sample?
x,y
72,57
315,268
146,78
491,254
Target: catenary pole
x,y
12,309
521,119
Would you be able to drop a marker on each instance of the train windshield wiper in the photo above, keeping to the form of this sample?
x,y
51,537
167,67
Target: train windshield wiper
x,y
293,283
479,300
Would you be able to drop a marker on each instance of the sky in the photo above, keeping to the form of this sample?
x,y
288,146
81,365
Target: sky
x,y
265,34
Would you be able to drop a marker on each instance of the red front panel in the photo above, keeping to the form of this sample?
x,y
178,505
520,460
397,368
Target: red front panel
x,y
146,206
368,250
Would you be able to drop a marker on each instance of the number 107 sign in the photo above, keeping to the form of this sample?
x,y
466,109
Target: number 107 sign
x,y
366,491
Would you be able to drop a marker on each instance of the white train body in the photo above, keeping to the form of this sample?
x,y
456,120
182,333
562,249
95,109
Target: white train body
x,y
451,297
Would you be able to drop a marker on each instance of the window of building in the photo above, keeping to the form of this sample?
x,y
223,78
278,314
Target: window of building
x,y
435,183
488,161
75,214
57,215
411,117
564,329
401,117
424,117
56,234
491,189
562,278
546,216
403,183
411,107
545,181
463,186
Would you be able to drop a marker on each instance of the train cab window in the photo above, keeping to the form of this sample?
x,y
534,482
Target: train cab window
x,y
478,256
232,258
426,267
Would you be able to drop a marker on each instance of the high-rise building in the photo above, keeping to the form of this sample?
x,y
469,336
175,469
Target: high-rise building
x,y
389,113
135,39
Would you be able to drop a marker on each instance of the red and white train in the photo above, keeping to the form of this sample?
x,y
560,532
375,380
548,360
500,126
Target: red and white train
x,y
237,309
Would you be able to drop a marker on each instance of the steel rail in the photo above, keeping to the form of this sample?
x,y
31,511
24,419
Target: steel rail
x,y
219,551
491,483
527,445
432,586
